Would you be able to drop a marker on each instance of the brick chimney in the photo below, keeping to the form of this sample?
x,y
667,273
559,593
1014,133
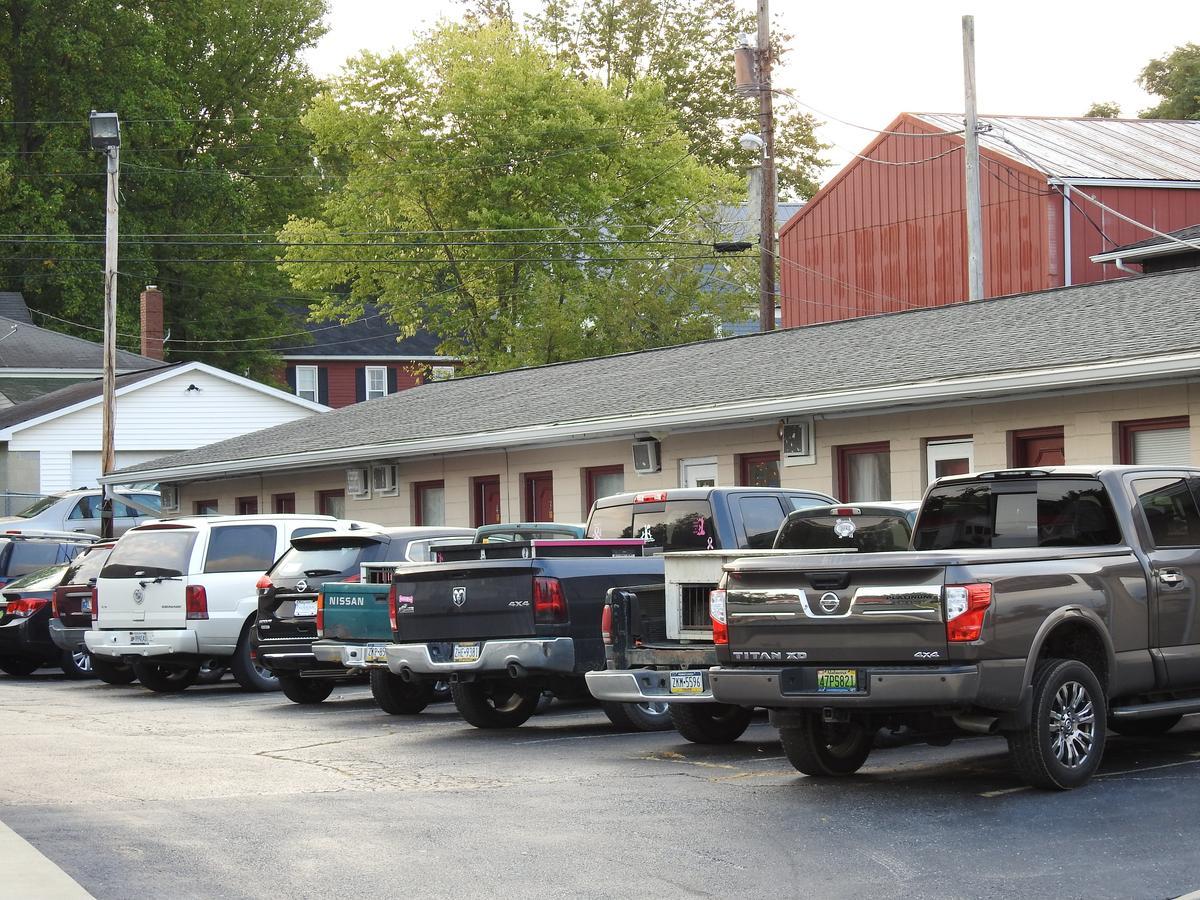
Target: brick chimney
x,y
152,322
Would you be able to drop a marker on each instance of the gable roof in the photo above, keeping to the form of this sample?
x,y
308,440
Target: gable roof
x,y
1090,148
989,347
33,347
370,336
1155,246
12,306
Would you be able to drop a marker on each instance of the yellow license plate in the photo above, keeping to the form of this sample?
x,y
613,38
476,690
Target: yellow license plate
x,y
837,681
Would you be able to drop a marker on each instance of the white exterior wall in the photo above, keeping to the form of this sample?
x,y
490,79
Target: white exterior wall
x,y
159,418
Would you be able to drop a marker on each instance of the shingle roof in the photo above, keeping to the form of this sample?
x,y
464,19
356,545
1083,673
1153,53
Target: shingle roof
x,y
20,389
31,347
70,395
1113,320
1086,148
1191,233
372,335
12,306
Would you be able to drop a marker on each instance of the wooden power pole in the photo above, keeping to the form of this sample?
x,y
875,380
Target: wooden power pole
x,y
766,125
971,166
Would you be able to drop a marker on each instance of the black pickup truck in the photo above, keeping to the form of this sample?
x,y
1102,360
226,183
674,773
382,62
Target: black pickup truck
x,y
1048,605
504,622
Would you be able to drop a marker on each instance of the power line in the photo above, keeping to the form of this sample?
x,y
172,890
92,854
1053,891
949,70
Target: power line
x,y
917,134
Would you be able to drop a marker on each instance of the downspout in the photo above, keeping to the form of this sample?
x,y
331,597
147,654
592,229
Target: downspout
x,y
1120,264
1066,192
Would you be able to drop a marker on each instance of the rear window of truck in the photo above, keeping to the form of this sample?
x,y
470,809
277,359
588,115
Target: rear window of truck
x,y
1033,512
326,558
673,525
863,533
155,552
87,566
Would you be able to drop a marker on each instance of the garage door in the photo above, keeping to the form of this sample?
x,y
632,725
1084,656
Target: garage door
x,y
85,465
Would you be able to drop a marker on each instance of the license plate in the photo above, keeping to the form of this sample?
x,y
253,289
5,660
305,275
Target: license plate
x,y
375,654
139,637
304,608
837,681
86,605
687,683
465,653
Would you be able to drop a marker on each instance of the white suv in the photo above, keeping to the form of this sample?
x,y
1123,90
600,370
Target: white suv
x,y
176,593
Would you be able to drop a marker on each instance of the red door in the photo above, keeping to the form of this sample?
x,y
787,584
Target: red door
x,y
486,501
1038,447
538,503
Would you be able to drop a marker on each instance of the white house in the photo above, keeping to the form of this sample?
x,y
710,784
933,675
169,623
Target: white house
x,y
52,443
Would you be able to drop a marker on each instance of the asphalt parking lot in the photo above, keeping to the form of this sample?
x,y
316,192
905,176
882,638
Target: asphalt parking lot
x,y
217,793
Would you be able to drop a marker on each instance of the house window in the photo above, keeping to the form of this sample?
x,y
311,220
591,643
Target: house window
x,y
429,503
283,504
537,498
864,472
306,383
485,500
1037,447
758,469
332,503
603,481
376,382
246,506
948,456
204,507
1156,442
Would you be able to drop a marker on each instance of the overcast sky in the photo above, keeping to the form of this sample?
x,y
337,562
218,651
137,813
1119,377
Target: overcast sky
x,y
864,62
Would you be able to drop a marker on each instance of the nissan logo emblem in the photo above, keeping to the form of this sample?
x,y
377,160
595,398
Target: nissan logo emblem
x,y
829,601
302,585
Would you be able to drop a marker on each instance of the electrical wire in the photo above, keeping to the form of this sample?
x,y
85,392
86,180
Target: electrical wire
x,y
825,115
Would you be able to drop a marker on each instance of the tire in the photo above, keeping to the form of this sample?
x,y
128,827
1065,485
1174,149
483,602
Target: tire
x,y
638,716
211,671
19,666
495,704
112,672
1144,727
1061,687
710,723
821,749
165,679
398,697
77,664
249,672
305,690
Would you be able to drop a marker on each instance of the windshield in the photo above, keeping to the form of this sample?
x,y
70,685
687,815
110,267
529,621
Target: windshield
x,y
87,566
673,525
24,557
155,552
41,506
863,533
327,559
38,580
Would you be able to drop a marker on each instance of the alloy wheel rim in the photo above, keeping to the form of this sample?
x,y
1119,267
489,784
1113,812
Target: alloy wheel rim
x,y
654,708
1072,725
83,660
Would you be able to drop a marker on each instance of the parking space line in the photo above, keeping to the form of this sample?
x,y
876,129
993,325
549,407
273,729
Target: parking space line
x,y
30,875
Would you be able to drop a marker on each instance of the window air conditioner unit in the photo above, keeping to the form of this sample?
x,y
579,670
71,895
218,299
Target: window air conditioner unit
x,y
384,480
358,484
168,497
646,457
799,448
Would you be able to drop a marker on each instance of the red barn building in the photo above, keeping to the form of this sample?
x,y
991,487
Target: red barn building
x,y
888,232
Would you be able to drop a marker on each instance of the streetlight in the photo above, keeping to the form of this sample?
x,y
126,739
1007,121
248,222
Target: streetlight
x,y
105,132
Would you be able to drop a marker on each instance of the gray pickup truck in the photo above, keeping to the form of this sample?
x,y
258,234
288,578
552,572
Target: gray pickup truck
x,y
1048,605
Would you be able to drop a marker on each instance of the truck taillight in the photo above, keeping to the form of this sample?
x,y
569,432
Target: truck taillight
x,y
196,601
966,605
320,614
392,606
606,625
95,604
716,612
651,497
54,603
549,602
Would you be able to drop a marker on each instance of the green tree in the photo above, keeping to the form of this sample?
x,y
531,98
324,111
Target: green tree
x,y
1176,79
526,214
210,94
1106,109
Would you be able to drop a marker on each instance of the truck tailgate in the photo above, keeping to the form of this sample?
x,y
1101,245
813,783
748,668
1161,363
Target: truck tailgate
x,y
490,599
356,612
881,610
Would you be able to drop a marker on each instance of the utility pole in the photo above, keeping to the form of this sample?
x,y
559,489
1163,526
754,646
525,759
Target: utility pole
x,y
766,125
106,136
971,166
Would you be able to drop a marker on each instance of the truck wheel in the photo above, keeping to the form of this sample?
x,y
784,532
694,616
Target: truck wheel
x,y
252,675
1143,727
1061,747
77,663
19,666
165,679
638,716
827,748
112,672
710,723
398,697
495,704
305,690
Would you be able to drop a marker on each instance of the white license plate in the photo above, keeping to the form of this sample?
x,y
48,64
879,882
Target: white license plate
x,y
465,652
86,605
304,608
375,654
687,683
139,637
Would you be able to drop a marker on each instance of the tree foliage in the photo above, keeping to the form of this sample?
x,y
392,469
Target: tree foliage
x,y
1175,78
524,213
209,93
1104,109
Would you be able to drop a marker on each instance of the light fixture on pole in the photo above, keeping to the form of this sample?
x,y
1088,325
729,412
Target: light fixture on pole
x,y
106,136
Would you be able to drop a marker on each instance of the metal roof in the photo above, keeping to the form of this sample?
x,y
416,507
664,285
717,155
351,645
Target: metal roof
x,y
1084,148
1188,238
